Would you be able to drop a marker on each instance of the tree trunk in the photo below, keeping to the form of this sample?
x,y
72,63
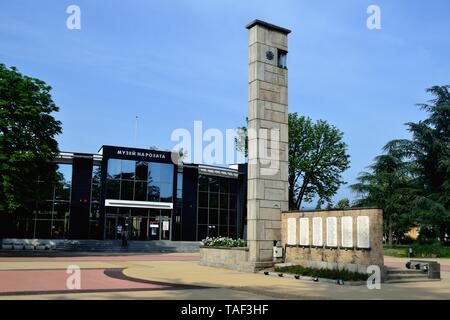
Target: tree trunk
x,y
291,192
442,233
390,239
301,193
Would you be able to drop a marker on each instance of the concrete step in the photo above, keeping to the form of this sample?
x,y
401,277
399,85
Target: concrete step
x,y
404,271
407,276
116,245
133,246
409,280
399,275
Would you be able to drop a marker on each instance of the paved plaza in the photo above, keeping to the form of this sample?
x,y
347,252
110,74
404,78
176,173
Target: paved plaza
x,y
179,276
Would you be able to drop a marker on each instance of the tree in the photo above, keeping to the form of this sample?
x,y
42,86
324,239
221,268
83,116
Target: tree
x,y
429,151
241,139
388,185
317,158
343,203
27,139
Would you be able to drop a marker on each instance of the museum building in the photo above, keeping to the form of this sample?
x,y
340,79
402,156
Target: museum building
x,y
142,191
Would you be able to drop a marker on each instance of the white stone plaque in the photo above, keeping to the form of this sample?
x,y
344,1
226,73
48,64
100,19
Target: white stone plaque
x,y
347,232
363,240
304,231
292,231
317,232
331,231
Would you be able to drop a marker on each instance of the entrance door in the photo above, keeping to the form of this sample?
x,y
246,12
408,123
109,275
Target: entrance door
x,y
143,230
138,228
114,224
160,224
153,229
157,225
165,223
110,227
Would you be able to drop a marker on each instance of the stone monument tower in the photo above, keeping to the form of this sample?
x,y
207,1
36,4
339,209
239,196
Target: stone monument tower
x,y
268,139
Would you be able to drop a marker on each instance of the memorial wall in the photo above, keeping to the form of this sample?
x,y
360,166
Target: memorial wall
x,y
350,239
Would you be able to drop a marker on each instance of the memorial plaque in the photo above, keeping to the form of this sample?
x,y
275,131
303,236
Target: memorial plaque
x,y
292,231
347,232
317,232
331,231
363,240
304,231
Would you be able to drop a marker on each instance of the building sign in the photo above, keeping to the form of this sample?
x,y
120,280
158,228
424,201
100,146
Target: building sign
x,y
137,154
154,224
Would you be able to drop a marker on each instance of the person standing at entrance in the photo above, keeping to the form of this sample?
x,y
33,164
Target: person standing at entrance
x,y
119,230
124,238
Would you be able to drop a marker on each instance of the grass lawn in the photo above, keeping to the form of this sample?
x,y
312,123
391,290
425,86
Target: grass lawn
x,y
434,250
324,273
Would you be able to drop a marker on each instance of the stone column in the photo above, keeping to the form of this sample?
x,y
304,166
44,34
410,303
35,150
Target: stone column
x,y
268,139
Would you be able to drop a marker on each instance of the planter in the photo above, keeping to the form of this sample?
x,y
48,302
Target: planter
x,y
235,258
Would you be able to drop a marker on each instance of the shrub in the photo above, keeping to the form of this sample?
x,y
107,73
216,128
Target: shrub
x,y
430,250
324,273
396,251
223,242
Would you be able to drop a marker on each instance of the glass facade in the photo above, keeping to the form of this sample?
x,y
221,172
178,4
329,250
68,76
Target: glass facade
x,y
51,217
179,203
94,215
139,181
217,207
206,206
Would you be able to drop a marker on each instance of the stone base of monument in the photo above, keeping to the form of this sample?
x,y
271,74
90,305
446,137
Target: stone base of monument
x,y
351,267
312,279
258,266
231,258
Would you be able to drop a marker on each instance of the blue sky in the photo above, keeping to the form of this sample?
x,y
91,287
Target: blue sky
x,y
174,62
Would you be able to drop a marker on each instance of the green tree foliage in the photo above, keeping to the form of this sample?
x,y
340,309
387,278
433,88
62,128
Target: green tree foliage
x,y
343,203
388,185
27,139
429,153
241,139
317,158
411,181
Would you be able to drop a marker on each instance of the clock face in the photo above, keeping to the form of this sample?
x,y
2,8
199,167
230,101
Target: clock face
x,y
269,55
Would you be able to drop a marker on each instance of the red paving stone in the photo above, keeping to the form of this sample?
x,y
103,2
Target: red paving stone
x,y
36,281
30,281
103,258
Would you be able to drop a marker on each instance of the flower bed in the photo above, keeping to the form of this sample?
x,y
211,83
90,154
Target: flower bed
x,y
324,273
224,242
225,252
